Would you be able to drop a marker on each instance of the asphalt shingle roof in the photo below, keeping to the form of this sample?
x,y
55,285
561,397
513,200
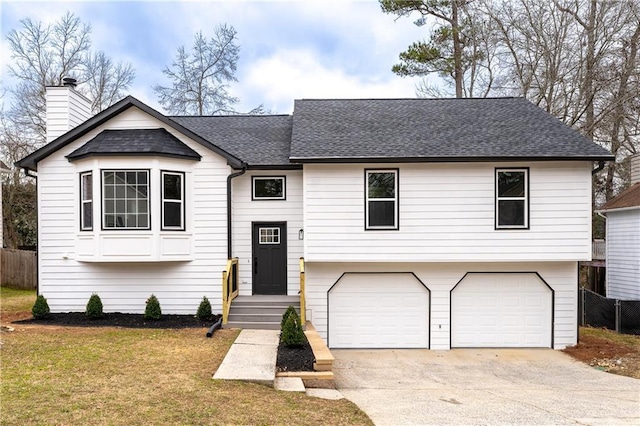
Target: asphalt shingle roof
x,y
259,140
630,197
433,130
135,142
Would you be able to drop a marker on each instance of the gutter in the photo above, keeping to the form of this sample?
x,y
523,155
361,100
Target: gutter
x,y
229,224
597,169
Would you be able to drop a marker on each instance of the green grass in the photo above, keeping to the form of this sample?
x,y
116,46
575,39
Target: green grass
x,y
116,376
625,339
12,300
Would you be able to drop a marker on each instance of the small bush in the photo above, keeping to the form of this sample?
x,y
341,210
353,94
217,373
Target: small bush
x,y
40,308
204,310
94,307
285,316
152,310
292,334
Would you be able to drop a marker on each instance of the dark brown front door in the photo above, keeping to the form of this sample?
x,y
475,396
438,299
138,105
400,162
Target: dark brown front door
x,y
270,258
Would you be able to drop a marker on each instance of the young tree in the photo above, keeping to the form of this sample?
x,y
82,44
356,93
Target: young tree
x,y
200,78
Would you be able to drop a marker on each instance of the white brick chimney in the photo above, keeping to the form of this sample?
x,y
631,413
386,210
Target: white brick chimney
x,y
634,169
66,108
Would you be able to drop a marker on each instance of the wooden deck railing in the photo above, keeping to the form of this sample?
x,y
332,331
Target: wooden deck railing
x,y
303,302
229,287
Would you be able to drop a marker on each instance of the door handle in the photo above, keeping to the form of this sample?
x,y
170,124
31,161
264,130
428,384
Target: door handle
x,y
255,265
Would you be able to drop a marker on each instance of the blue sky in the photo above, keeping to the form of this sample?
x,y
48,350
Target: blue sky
x,y
288,49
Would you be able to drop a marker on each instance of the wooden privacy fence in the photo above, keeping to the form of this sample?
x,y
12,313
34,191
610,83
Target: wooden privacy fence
x,y
18,269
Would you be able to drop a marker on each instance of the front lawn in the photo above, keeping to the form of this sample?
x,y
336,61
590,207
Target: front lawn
x,y
609,351
15,304
72,375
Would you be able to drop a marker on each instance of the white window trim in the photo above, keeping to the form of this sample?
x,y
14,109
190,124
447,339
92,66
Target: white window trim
x,y
103,214
180,202
396,209
253,187
524,198
84,203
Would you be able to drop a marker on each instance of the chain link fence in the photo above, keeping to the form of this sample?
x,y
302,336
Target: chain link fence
x,y
623,316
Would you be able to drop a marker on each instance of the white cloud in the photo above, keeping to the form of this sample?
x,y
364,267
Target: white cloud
x,y
295,74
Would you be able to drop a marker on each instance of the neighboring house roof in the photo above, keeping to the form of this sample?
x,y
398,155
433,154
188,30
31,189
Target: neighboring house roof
x,y
31,161
629,198
259,140
386,130
135,142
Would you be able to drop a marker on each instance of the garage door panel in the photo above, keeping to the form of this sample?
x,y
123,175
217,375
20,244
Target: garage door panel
x,y
501,310
378,311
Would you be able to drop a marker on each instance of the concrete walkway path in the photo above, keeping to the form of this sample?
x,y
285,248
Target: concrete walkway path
x,y
252,358
488,386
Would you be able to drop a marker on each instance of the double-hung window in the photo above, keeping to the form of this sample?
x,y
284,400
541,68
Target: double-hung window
x,y
172,200
86,201
381,199
125,203
512,198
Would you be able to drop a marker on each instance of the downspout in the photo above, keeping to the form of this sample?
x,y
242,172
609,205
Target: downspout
x,y
229,233
597,169
28,174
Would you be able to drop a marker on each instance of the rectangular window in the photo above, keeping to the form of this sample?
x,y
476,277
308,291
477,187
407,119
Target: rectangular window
x,y
172,201
512,198
86,201
269,235
125,198
381,199
269,188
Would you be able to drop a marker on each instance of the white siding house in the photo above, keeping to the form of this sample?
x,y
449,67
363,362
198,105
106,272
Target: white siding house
x,y
623,239
422,223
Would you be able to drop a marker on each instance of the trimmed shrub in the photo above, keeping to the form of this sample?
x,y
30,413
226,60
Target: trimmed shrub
x,y
292,334
204,310
285,316
40,308
152,311
94,307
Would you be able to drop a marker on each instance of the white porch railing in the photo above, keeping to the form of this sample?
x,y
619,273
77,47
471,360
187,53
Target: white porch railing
x,y
599,250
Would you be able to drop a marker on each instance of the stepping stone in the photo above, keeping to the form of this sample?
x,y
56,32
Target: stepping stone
x,y
325,393
289,384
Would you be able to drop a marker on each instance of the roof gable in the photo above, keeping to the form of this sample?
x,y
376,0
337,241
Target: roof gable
x,y
465,129
31,161
135,142
628,198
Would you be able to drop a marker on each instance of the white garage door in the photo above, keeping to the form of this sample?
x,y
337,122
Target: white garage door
x,y
378,311
501,310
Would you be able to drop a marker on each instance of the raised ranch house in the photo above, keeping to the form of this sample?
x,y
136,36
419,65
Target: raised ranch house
x,y
623,239
423,223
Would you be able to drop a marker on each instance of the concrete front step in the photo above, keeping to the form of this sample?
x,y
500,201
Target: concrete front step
x,y
253,325
259,309
255,317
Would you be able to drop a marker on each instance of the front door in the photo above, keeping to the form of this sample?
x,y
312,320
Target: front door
x,y
270,258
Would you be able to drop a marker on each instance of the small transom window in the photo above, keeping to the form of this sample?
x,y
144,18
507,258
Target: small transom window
x,y
269,235
512,203
269,188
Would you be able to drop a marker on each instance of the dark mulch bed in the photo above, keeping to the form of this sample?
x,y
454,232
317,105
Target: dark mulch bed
x,y
117,319
295,358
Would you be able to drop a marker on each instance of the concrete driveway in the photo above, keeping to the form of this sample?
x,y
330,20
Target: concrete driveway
x,y
483,386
